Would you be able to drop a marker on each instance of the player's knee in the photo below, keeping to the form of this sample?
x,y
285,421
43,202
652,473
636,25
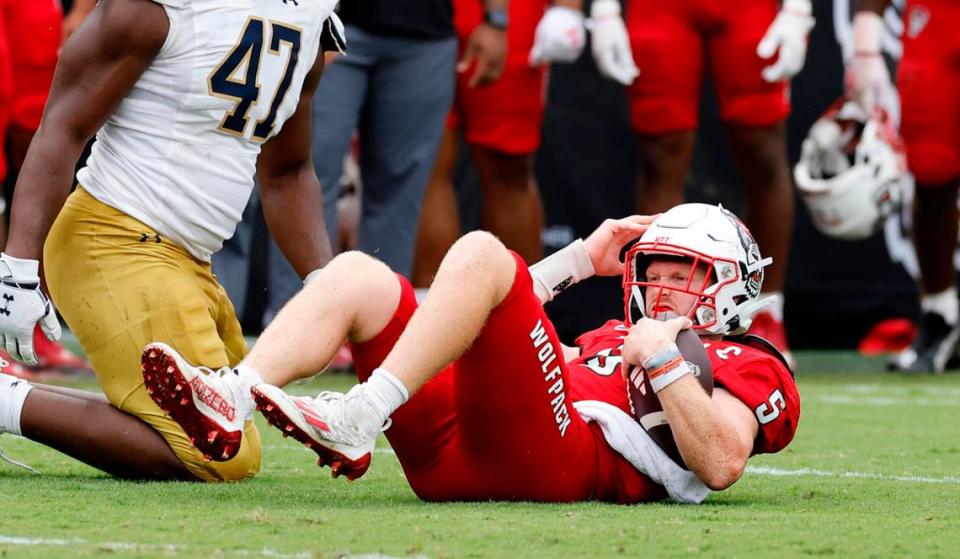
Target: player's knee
x,y
933,164
482,259
504,170
477,248
358,269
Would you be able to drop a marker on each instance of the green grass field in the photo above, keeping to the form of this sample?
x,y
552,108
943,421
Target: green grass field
x,y
874,472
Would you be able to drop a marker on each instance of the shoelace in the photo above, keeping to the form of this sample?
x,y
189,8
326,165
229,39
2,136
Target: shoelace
x,y
338,400
219,373
11,461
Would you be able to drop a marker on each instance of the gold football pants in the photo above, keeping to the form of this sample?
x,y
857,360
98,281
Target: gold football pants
x,y
121,286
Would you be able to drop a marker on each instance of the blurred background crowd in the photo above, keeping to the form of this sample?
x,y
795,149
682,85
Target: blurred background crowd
x,y
614,109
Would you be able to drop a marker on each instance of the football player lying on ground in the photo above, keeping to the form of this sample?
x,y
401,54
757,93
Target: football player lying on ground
x,y
484,400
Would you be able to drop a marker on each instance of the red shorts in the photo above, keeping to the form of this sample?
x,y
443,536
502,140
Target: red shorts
x,y
489,426
675,41
6,88
505,115
33,29
929,83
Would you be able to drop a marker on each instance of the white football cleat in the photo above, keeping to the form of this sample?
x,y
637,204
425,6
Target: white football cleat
x,y
330,425
211,406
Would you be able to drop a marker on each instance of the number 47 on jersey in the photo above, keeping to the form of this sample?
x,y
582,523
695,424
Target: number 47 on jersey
x,y
237,77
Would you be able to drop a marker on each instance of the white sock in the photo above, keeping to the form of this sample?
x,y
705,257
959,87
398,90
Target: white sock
x,y
12,397
248,379
385,393
944,303
775,304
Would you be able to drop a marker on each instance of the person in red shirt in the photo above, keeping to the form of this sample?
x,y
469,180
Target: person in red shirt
x,y
500,124
750,50
484,400
928,80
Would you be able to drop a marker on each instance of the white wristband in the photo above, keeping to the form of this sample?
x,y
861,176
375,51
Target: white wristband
x,y
867,33
665,368
560,270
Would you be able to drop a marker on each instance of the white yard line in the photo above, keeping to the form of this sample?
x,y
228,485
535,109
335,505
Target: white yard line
x,y
778,472
171,548
886,389
885,401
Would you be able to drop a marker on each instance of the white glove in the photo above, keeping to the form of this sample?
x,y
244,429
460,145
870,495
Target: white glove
x,y
788,34
867,80
610,42
560,36
22,305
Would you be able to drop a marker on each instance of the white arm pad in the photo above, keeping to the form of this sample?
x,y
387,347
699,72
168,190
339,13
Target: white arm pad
x,y
560,270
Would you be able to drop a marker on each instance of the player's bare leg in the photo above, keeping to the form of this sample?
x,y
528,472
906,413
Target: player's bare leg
x,y
439,217
934,226
935,219
473,279
512,209
353,297
663,161
84,426
760,156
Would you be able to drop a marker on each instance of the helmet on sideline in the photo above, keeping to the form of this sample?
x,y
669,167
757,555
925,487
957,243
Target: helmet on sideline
x,y
850,171
705,236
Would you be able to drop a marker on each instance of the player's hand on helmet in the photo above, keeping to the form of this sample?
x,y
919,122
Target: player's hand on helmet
x,y
610,42
648,337
788,35
560,36
604,244
486,51
22,305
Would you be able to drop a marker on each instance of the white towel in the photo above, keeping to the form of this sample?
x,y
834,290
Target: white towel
x,y
626,436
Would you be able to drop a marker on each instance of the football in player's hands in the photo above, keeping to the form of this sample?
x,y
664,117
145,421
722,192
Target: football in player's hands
x,y
646,405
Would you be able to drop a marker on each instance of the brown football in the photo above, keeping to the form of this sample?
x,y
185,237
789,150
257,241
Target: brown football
x,y
645,404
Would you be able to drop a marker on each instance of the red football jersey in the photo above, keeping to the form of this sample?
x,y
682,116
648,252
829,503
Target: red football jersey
x,y
756,378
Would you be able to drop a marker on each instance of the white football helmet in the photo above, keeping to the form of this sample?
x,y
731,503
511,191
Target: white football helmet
x,y
708,236
850,171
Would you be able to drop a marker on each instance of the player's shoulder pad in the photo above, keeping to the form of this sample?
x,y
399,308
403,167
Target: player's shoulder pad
x,y
333,38
761,344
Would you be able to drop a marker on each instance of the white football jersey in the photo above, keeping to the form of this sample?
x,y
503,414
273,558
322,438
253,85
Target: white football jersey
x,y
180,151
